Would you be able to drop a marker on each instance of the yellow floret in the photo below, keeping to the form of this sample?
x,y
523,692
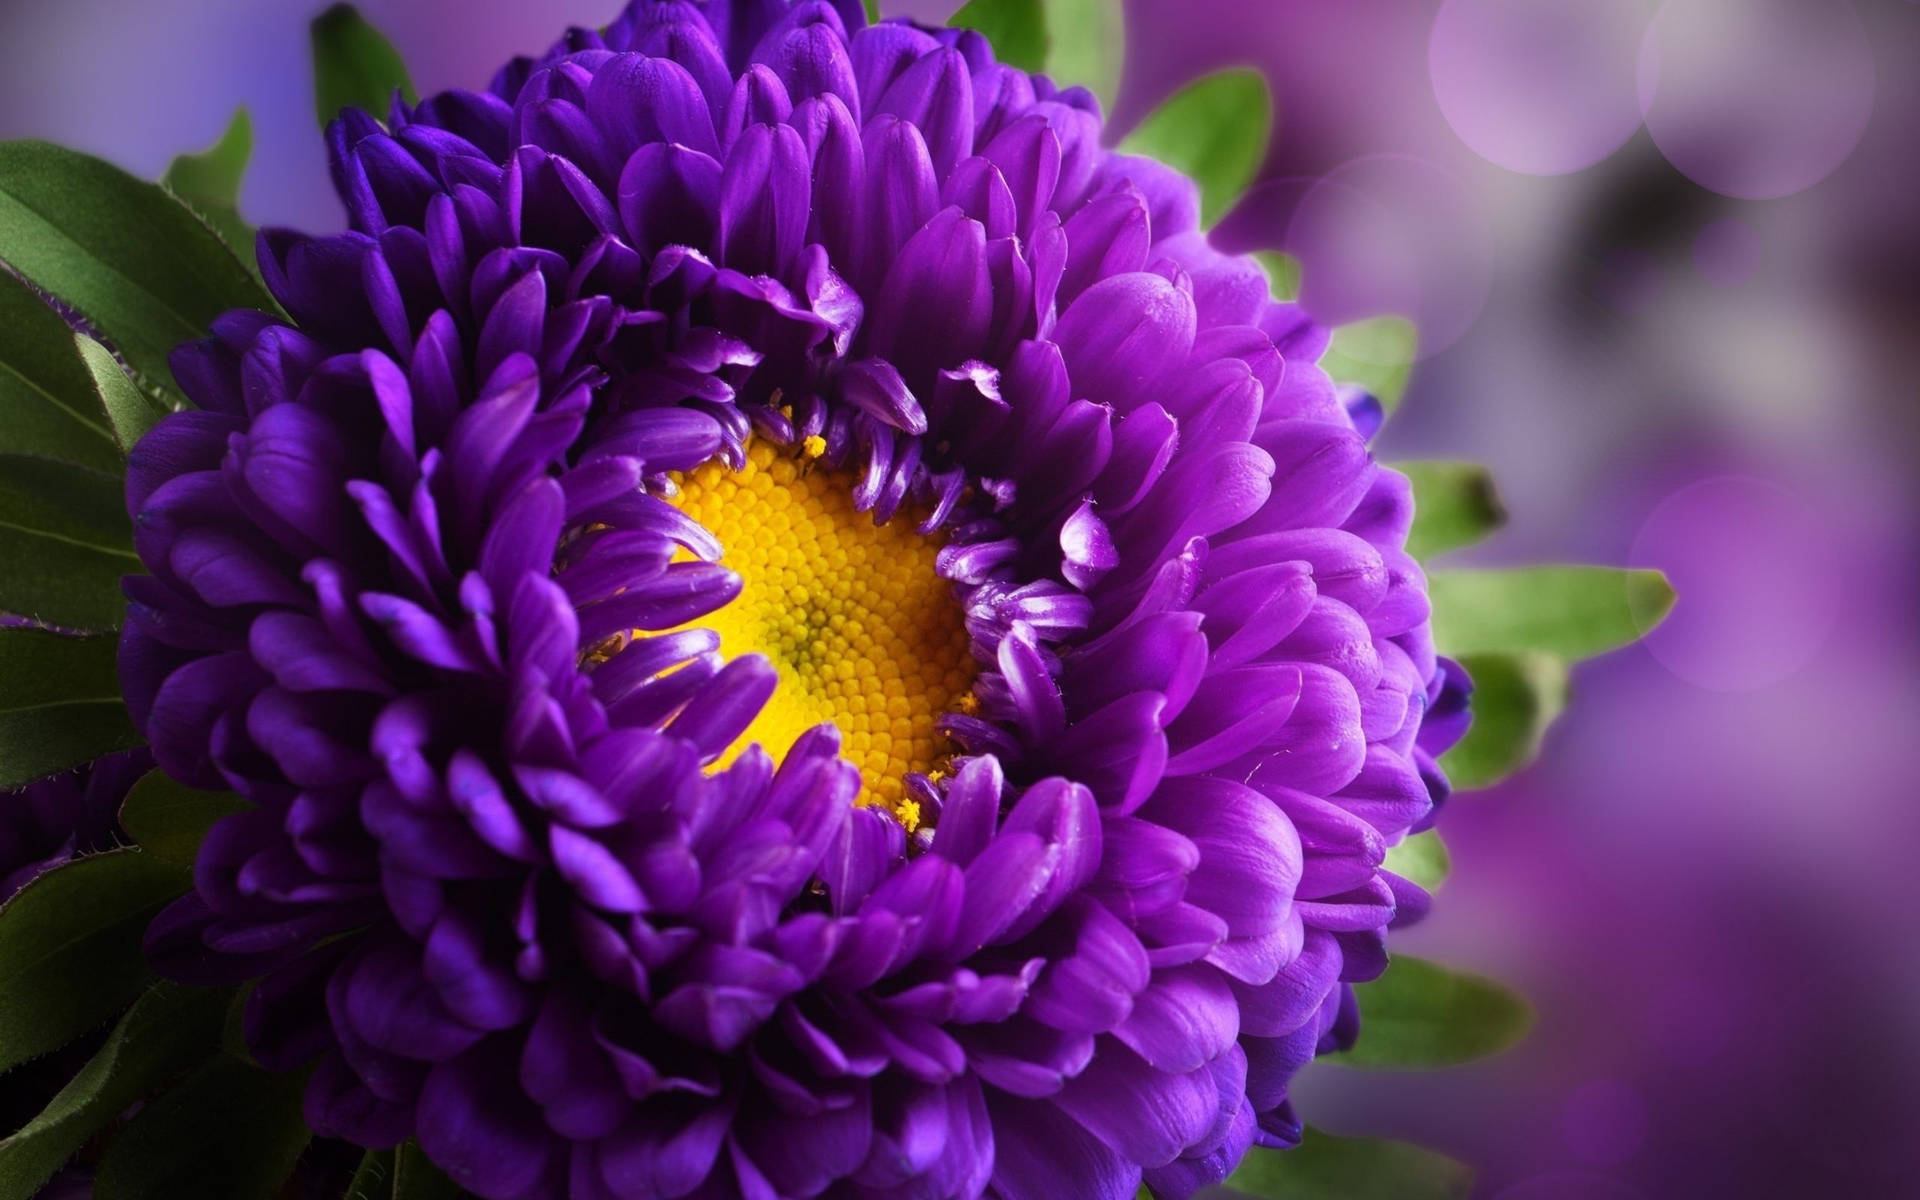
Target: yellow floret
x,y
864,633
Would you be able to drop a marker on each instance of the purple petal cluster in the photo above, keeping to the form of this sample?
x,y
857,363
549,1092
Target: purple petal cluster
x,y
418,593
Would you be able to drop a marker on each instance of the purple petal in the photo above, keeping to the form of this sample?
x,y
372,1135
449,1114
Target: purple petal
x,y
669,194
1148,1115
1043,1154
935,95
1184,1021
635,100
1122,335
764,200
479,1128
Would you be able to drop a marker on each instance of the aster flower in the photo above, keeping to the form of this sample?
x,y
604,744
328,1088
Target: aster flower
x,y
791,629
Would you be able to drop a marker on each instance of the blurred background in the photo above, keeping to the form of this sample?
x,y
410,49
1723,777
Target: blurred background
x,y
1666,262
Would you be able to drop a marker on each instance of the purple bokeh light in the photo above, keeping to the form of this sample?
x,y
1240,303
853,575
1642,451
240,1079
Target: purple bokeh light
x,y
1543,87
1392,234
1752,563
1756,98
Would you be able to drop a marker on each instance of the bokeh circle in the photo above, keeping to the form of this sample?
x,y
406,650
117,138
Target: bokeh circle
x,y
1543,87
1393,234
1756,98
1757,579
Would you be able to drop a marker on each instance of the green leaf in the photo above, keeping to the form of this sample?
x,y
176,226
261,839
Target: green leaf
x,y
167,1030
125,254
1324,1167
1421,858
1017,29
60,704
415,1178
46,397
233,1034
1571,612
66,541
1454,505
1092,53
354,65
1420,1014
1283,273
227,1132
400,1174
70,947
213,175
1214,129
128,410
209,183
170,819
1515,698
1377,354
370,1179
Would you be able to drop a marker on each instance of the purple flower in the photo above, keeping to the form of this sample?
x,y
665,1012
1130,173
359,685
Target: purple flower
x,y
54,819
791,629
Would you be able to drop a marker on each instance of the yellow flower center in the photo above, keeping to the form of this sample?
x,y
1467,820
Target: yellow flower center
x,y
862,630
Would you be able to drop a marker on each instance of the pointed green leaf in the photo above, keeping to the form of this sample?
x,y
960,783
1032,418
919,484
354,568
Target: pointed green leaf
x,y
170,819
70,947
46,397
1017,29
414,1178
60,703
1283,273
400,1174
1454,505
227,1132
1420,1014
1214,129
167,1030
125,254
213,175
1571,612
1092,47
1421,858
1515,698
66,541
372,1179
209,183
1324,1167
233,1035
129,411
1376,354
354,65
873,11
